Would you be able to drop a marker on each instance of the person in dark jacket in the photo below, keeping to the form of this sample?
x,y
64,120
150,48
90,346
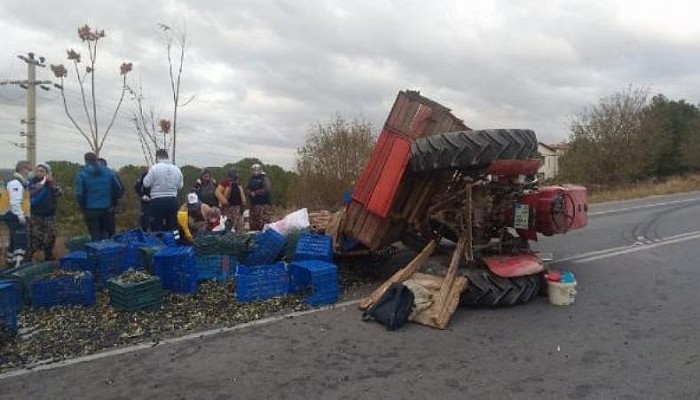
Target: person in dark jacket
x,y
44,192
205,187
116,195
259,193
95,189
144,194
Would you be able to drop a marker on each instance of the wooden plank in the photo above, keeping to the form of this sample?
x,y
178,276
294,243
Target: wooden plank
x,y
452,302
400,275
396,110
364,185
385,188
404,122
442,298
420,120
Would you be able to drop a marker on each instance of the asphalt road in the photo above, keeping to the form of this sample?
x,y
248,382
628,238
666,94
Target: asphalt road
x,y
633,333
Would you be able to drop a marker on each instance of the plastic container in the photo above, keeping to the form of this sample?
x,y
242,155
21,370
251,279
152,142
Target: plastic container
x,y
560,293
261,282
64,290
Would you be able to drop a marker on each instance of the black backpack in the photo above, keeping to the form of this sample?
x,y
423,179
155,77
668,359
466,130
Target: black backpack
x,y
393,308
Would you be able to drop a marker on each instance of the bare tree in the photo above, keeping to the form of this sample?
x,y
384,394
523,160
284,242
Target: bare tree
x,y
175,44
89,130
148,125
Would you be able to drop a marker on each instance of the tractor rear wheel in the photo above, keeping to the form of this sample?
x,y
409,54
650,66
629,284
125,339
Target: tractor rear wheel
x,y
471,149
486,289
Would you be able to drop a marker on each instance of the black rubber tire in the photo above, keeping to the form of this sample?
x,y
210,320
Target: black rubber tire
x,y
485,289
470,149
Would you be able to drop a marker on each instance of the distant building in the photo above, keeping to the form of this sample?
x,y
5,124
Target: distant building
x,y
550,154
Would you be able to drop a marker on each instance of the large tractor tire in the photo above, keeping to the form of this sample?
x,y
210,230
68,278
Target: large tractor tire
x,y
485,289
471,149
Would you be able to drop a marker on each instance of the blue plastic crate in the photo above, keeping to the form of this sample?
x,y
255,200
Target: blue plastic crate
x,y
10,304
213,267
65,290
319,276
75,261
130,236
166,238
176,267
312,246
268,246
106,260
261,282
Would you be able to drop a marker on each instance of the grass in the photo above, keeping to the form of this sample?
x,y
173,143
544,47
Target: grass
x,y
671,185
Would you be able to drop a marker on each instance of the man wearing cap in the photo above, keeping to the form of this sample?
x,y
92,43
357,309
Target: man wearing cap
x,y
17,216
259,191
95,188
232,199
164,180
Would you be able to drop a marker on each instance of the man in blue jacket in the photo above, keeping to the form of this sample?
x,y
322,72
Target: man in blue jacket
x,y
96,187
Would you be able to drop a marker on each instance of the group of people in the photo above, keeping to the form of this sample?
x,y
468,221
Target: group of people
x,y
30,212
33,194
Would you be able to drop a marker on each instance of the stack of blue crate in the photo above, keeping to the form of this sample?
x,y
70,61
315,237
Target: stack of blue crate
x,y
268,246
75,261
132,240
106,260
72,289
319,276
261,282
313,246
177,269
10,303
215,267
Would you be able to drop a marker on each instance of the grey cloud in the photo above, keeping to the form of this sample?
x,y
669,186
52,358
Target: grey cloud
x,y
263,72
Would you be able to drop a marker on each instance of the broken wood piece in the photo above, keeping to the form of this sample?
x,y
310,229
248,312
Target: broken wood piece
x,y
400,275
447,282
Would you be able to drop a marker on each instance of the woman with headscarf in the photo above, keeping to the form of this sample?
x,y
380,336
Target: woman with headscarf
x,y
205,187
44,192
231,198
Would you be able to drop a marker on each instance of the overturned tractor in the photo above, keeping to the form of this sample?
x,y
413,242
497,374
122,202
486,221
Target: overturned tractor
x,y
432,180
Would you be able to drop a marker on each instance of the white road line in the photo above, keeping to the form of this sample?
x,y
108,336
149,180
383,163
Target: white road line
x,y
198,335
666,203
617,251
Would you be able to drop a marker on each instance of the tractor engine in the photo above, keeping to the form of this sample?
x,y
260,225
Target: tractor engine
x,y
508,210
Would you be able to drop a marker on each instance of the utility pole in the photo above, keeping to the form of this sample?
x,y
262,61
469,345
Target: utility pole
x,y
31,83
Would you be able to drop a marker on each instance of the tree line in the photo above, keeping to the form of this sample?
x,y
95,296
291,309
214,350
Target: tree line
x,y
326,167
631,136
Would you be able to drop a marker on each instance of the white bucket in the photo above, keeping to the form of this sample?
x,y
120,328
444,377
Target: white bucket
x,y
561,294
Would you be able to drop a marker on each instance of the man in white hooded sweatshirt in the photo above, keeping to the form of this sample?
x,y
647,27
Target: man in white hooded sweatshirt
x,y
164,179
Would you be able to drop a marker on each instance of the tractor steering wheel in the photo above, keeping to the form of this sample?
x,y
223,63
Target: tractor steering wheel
x,y
559,212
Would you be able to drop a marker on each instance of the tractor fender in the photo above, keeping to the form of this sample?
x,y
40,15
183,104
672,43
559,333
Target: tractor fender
x,y
515,265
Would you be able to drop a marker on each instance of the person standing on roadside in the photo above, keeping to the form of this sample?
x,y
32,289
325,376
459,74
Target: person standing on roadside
x,y
17,214
144,195
117,193
164,180
232,199
95,189
259,192
44,193
205,187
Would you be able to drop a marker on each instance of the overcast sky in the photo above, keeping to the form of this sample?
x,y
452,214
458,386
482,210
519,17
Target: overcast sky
x,y
264,71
